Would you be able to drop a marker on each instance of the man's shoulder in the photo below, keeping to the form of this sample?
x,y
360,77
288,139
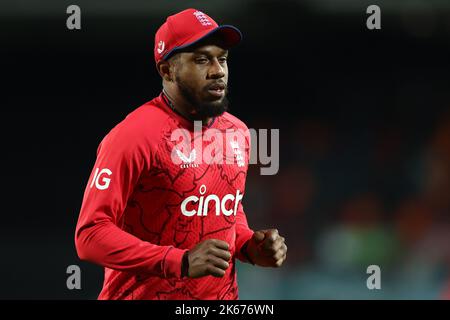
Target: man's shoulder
x,y
142,124
235,121
146,117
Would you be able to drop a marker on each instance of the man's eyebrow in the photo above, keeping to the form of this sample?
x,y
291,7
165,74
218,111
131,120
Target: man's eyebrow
x,y
208,53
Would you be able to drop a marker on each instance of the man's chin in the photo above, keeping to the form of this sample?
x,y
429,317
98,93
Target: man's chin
x,y
204,105
214,99
213,108
215,103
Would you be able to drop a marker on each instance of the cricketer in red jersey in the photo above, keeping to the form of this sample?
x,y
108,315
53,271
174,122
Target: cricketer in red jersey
x,y
164,224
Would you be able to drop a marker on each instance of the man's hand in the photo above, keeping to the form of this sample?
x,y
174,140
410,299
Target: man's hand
x,y
209,257
266,248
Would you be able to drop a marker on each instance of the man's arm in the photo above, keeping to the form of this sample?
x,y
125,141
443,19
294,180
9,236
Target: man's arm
x,y
98,238
243,235
264,248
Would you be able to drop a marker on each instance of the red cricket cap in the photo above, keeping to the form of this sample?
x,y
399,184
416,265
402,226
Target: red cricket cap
x,y
187,28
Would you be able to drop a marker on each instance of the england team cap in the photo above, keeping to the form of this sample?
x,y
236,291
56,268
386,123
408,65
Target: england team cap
x,y
188,27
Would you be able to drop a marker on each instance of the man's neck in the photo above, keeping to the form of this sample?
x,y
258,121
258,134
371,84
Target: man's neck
x,y
183,108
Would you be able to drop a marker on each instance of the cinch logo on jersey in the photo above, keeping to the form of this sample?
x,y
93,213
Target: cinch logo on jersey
x,y
104,183
199,206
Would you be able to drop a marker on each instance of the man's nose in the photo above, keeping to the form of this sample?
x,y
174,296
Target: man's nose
x,y
216,71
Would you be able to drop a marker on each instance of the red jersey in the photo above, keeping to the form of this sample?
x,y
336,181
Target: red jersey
x,y
141,211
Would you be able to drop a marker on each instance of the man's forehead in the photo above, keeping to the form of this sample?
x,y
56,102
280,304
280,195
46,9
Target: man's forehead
x,y
209,49
214,44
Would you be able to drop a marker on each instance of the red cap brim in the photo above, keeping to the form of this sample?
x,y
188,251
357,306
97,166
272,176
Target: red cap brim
x,y
231,36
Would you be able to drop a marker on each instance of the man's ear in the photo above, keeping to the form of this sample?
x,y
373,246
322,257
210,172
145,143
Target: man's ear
x,y
164,70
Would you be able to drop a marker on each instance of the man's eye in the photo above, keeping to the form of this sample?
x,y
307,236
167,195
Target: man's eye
x,y
201,60
223,59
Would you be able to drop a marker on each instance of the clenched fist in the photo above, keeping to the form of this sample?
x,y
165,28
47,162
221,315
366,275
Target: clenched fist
x,y
209,257
266,248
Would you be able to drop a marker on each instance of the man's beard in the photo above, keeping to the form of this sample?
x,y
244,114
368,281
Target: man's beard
x,y
202,109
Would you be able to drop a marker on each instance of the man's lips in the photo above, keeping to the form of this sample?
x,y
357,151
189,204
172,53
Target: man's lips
x,y
217,89
217,86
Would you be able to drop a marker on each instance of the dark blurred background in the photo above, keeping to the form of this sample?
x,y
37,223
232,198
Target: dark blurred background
x,y
364,137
